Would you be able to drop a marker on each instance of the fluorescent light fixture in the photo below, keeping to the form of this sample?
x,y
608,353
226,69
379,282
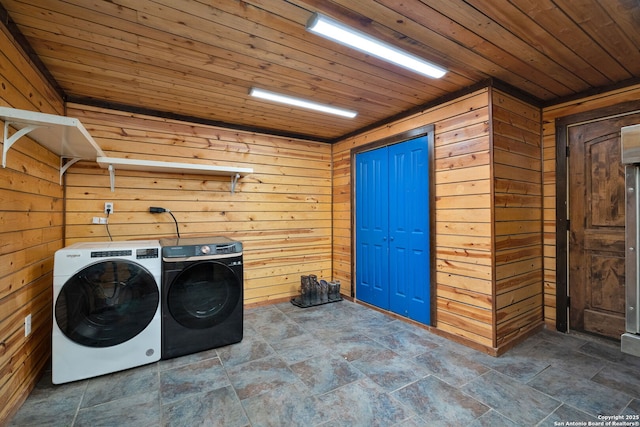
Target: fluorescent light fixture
x,y
341,33
299,102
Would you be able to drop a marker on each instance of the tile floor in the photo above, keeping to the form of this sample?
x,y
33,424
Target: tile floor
x,y
343,364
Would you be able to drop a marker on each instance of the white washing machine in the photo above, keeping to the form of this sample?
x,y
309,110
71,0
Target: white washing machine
x,y
106,308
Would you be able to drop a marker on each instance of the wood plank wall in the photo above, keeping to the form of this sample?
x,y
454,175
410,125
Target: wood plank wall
x,y
549,116
31,229
488,215
463,212
517,177
281,212
463,233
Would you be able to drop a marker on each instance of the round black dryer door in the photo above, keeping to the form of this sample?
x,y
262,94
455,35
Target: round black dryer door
x,y
107,303
203,295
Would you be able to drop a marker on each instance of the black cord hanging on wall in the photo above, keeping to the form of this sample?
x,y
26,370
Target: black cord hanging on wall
x,y
155,210
106,224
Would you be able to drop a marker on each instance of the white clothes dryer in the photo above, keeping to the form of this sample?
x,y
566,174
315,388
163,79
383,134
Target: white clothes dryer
x,y
106,308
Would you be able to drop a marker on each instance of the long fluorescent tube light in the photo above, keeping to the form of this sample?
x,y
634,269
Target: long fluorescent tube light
x,y
341,33
299,102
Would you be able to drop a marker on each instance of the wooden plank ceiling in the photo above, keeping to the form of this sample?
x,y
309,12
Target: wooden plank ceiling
x,y
200,58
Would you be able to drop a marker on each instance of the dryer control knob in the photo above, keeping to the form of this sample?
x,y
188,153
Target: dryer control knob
x,y
205,249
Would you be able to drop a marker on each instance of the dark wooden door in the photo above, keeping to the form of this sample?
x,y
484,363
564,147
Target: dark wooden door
x,y
597,226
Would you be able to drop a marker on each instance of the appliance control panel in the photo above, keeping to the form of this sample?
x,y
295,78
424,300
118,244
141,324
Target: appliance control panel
x,y
199,248
142,253
105,254
147,253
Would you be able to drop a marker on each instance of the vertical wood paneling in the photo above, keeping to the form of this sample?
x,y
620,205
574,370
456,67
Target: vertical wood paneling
x,y
517,174
31,228
549,115
281,212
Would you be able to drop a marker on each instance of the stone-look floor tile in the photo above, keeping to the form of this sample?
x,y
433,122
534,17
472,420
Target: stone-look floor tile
x,y
375,327
374,322
580,393
577,363
50,404
610,351
188,359
633,408
262,373
569,360
325,314
121,385
308,317
178,383
329,332
422,333
515,363
279,330
530,343
353,346
286,307
562,340
289,405
492,419
138,410
508,397
439,403
566,413
369,314
258,376
251,347
325,373
406,343
620,378
414,421
459,348
261,316
363,404
452,367
302,347
389,370
215,408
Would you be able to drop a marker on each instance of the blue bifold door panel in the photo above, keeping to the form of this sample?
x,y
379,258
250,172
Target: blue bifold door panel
x,y
392,229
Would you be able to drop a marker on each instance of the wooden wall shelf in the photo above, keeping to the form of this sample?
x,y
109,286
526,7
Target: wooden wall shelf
x,y
64,136
112,163
68,138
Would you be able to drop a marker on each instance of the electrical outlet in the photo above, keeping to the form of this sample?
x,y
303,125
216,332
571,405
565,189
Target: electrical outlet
x,y
96,220
104,221
27,325
108,207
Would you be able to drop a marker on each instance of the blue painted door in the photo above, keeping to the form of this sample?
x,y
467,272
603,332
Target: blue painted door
x,y
409,251
392,229
372,228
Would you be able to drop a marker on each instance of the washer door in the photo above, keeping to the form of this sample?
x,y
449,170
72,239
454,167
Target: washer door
x,y
107,303
203,295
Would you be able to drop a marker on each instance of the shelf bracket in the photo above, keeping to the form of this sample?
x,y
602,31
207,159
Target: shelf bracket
x,y
10,140
234,181
70,161
112,177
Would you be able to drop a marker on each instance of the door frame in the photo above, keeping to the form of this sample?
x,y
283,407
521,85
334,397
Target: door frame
x,y
562,125
429,132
